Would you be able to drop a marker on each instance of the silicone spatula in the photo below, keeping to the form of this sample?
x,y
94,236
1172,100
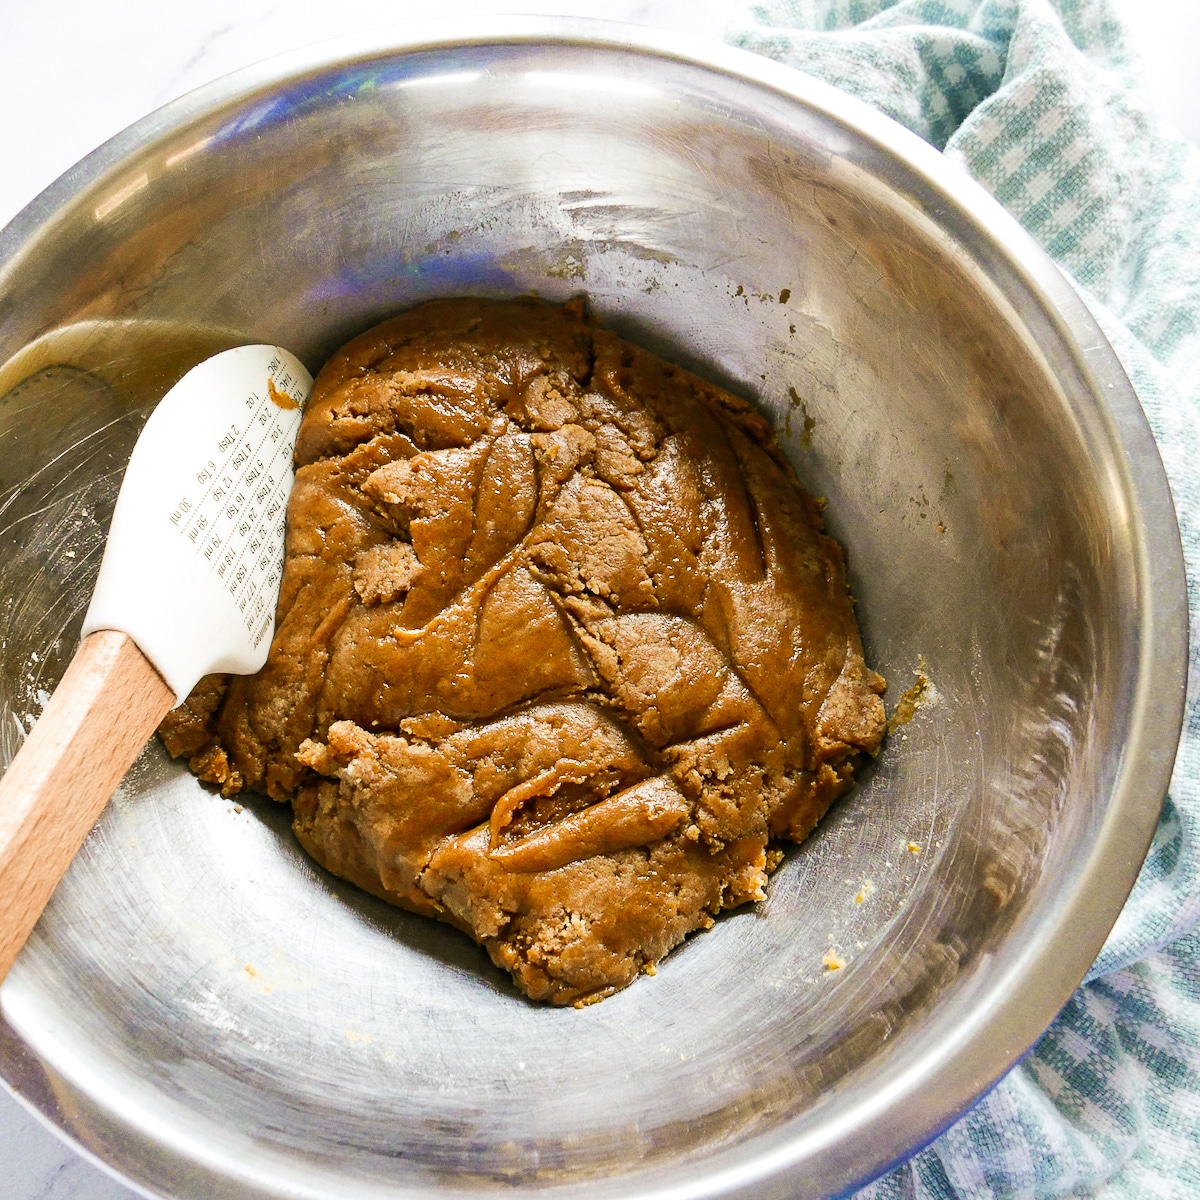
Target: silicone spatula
x,y
187,586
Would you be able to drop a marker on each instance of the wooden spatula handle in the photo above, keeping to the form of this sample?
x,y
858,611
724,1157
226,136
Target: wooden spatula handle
x,y
101,715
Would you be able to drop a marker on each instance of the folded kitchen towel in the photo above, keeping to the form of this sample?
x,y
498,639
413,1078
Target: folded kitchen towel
x,y
1042,102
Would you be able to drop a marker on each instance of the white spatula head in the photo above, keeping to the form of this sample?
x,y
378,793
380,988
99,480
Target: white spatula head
x,y
194,558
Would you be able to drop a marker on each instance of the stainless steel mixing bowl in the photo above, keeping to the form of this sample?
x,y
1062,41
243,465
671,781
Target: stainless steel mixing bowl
x,y
206,1011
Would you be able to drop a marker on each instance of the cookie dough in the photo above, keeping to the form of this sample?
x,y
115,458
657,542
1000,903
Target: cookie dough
x,y
562,651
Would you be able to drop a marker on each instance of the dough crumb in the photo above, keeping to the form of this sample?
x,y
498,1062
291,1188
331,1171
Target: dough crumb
x,y
908,703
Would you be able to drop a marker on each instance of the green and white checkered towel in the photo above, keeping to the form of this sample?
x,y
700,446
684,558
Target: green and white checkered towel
x,y
1042,102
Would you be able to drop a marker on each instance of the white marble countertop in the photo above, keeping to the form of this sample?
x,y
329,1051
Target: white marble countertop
x,y
73,73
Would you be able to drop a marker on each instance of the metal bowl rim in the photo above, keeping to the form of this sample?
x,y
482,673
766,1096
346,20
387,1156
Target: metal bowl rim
x,y
1006,1026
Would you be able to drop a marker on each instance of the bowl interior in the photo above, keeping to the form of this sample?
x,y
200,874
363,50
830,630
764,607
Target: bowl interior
x,y
208,1010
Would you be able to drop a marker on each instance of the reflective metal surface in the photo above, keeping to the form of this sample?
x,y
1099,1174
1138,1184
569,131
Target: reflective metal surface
x,y
207,1011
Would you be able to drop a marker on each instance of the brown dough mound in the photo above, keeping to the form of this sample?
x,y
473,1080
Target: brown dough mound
x,y
560,646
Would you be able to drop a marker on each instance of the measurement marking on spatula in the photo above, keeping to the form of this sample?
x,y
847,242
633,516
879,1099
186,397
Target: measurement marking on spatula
x,y
236,522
